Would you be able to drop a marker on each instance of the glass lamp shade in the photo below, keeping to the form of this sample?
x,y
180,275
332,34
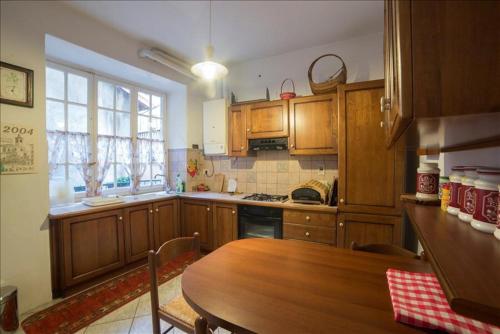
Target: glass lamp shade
x,y
209,70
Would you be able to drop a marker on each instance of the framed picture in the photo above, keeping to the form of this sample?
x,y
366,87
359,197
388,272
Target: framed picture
x,y
16,85
17,149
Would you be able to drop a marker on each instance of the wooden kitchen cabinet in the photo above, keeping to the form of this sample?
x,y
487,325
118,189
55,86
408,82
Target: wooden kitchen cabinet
x,y
197,217
139,235
368,229
309,226
442,58
267,119
238,143
370,175
313,125
225,222
92,245
166,222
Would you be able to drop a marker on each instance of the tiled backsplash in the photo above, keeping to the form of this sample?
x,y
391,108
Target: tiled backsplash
x,y
270,172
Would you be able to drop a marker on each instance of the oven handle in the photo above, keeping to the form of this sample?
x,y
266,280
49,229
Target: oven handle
x,y
253,217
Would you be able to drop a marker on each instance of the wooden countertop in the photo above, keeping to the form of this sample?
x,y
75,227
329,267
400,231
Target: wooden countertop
x,y
75,209
466,261
288,286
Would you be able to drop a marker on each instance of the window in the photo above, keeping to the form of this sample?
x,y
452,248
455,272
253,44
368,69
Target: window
x,y
103,135
114,134
67,120
150,137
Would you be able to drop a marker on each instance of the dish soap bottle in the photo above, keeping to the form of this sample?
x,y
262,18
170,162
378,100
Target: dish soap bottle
x,y
178,184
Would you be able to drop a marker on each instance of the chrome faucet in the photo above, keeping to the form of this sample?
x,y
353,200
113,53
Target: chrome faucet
x,y
166,186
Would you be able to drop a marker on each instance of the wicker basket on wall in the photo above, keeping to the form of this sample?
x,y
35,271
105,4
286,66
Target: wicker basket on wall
x,y
330,85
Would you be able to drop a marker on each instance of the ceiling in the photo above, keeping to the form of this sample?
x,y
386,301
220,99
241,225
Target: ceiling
x,y
242,30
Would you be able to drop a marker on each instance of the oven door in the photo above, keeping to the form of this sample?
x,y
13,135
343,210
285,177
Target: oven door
x,y
259,227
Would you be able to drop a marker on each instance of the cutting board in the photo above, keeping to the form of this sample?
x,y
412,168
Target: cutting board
x,y
218,183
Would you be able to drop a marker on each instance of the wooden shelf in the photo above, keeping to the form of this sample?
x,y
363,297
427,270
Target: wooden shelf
x,y
466,261
472,145
412,198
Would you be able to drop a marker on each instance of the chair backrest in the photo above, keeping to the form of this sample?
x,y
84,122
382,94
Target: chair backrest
x,y
167,252
175,247
384,249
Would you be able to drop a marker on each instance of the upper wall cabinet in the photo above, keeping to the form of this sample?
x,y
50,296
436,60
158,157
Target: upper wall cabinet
x,y
370,175
238,144
442,58
267,119
313,125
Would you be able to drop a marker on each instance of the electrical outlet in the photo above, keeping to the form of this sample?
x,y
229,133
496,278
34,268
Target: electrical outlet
x,y
321,169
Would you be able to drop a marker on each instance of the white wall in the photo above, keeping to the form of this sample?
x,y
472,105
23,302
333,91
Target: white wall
x,y
363,57
25,260
24,199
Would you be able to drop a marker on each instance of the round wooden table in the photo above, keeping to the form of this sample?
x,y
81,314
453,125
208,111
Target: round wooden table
x,y
285,286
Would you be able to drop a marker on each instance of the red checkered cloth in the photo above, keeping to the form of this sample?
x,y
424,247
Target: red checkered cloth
x,y
418,300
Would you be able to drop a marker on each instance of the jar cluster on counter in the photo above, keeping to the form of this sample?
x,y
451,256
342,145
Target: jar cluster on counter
x,y
472,194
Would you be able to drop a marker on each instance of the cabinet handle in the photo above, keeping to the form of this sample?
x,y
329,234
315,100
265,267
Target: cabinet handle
x,y
120,218
233,212
381,124
341,224
150,211
157,209
341,200
307,234
248,130
292,145
208,209
308,218
242,147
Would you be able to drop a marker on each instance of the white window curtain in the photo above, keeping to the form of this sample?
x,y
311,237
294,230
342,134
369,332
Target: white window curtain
x,y
106,152
79,155
56,145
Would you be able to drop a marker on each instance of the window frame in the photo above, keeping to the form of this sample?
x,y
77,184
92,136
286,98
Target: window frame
x,y
164,130
90,100
93,79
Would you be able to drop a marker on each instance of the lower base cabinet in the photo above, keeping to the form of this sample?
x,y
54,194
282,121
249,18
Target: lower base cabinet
x,y
309,226
87,248
139,234
196,216
225,220
166,222
368,229
91,246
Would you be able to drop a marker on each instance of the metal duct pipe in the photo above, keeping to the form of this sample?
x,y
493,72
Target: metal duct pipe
x,y
165,59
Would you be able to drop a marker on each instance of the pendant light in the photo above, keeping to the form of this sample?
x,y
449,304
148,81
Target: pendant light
x,y
208,69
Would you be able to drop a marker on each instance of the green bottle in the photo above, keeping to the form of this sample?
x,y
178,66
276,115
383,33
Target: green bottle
x,y
178,184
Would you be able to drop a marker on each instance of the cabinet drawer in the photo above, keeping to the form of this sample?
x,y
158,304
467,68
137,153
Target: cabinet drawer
x,y
309,218
309,233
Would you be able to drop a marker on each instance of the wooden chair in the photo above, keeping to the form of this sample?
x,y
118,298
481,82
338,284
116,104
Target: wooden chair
x,y
384,249
176,312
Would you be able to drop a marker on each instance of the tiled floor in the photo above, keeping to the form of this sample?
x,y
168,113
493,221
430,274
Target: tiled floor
x,y
131,318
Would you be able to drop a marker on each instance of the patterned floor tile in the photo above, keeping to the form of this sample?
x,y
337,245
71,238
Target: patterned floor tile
x,y
115,327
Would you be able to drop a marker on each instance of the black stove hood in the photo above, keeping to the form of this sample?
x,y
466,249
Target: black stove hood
x,y
271,144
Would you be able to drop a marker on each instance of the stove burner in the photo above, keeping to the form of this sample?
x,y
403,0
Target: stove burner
x,y
266,198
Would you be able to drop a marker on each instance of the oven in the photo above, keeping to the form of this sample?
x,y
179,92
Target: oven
x,y
260,222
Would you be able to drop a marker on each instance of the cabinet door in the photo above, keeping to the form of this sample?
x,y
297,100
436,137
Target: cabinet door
x,y
368,229
238,144
166,222
197,217
396,104
92,245
313,125
370,175
225,224
267,119
138,231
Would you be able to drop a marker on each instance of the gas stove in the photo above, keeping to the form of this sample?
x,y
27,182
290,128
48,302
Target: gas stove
x,y
266,198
